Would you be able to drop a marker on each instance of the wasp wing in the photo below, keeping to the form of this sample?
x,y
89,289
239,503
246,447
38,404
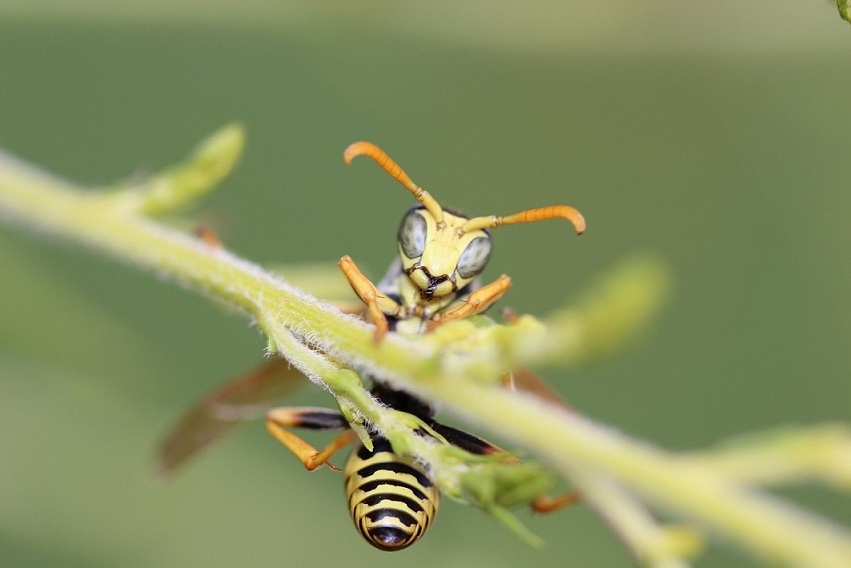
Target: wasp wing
x,y
527,381
245,398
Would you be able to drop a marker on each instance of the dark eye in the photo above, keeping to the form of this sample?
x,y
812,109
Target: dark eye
x,y
412,234
475,257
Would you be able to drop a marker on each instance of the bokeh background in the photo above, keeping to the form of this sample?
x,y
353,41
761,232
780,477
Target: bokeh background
x,y
714,134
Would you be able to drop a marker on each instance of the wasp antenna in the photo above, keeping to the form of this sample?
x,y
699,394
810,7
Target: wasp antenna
x,y
396,172
528,216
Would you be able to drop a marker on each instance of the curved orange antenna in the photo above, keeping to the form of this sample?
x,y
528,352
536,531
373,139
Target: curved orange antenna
x,y
528,216
395,170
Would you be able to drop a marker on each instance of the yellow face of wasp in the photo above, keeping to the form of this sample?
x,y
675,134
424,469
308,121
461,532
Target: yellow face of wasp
x,y
439,258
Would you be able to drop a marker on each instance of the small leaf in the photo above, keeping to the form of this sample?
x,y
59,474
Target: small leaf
x,y
844,7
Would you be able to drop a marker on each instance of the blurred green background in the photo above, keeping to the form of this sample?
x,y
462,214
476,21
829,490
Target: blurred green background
x,y
714,134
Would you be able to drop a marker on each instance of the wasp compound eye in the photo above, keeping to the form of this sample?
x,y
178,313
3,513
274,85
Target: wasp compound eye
x,y
412,234
475,257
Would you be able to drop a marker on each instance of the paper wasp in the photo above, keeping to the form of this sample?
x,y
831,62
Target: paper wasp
x,y
433,280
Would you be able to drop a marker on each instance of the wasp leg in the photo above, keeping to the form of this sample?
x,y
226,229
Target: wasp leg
x,y
478,446
378,304
547,504
210,238
279,419
476,303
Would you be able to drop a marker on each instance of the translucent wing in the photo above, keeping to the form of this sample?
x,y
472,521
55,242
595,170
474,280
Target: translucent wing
x,y
245,398
527,381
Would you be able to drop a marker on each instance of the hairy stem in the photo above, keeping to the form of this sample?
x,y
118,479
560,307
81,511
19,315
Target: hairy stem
x,y
458,367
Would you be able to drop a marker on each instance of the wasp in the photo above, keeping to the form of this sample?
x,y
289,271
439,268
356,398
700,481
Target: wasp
x,y
433,280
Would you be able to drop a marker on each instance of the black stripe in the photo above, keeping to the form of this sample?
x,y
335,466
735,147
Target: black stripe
x,y
373,500
395,467
379,445
403,517
316,420
464,440
373,485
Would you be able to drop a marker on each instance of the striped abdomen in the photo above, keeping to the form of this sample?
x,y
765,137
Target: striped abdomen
x,y
391,499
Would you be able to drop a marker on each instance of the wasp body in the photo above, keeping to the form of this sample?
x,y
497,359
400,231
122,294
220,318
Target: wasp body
x,y
435,279
392,499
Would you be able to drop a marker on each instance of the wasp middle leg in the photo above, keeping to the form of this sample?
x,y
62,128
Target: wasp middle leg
x,y
278,420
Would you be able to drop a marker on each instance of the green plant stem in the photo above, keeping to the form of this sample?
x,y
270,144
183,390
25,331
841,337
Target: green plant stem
x,y
461,379
764,524
650,543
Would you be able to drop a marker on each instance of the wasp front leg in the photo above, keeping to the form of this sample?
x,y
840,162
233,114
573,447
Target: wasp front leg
x,y
378,304
278,420
476,303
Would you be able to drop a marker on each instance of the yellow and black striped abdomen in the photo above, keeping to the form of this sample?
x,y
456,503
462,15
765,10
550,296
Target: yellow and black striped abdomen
x,y
391,498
